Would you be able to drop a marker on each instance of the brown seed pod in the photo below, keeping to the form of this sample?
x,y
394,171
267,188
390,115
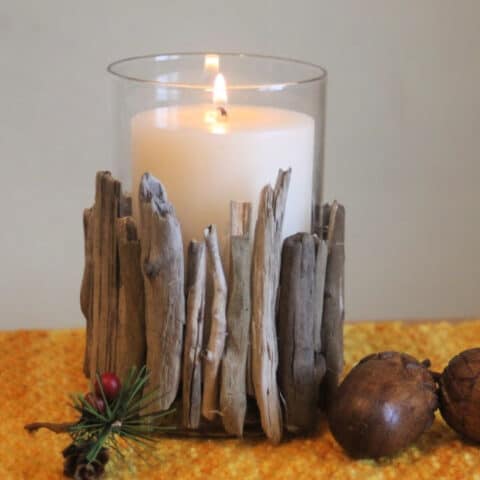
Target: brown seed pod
x,y
460,394
385,403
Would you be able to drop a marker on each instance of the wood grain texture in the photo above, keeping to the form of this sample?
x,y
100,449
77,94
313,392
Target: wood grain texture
x,y
233,394
265,275
131,342
105,274
86,289
218,327
296,340
111,295
321,256
334,310
192,365
163,272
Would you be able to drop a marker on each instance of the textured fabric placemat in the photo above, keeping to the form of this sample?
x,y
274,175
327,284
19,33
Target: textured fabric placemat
x,y
38,369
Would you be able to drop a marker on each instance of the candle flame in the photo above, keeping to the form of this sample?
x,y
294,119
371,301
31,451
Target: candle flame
x,y
212,63
220,90
216,119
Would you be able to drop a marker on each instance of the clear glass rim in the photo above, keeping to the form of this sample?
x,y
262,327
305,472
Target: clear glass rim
x,y
319,77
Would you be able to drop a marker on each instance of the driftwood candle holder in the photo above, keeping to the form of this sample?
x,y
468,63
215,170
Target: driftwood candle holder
x,y
270,334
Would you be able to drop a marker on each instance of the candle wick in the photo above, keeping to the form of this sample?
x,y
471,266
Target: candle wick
x,y
223,112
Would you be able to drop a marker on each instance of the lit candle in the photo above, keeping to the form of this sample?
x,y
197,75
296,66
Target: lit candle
x,y
207,155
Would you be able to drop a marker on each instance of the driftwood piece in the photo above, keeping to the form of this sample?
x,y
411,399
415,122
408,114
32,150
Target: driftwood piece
x,y
233,395
296,340
111,295
334,311
86,290
265,275
218,327
192,367
163,271
131,346
321,253
104,318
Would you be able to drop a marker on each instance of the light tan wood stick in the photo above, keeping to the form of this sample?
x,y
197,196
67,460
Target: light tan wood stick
x,y
192,366
163,271
334,311
131,343
296,341
265,274
233,395
216,341
105,274
86,290
53,427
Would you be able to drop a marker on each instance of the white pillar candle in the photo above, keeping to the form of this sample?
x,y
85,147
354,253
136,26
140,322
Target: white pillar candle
x,y
205,160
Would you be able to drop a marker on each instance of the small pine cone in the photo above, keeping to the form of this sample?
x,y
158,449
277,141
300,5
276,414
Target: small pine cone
x,y
76,465
89,471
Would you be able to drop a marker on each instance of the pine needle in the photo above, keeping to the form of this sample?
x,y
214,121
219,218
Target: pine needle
x,y
122,417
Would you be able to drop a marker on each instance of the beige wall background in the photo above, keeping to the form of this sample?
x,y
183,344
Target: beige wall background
x,y
402,145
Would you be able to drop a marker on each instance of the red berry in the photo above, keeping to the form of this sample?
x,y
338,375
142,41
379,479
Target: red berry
x,y
111,386
96,402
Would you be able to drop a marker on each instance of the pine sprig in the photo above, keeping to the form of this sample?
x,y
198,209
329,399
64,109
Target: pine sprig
x,y
123,417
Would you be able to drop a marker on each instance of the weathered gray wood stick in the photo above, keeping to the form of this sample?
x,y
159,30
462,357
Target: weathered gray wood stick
x,y
233,395
325,216
321,252
218,328
131,343
86,290
105,273
296,342
163,272
265,275
192,365
334,311
319,213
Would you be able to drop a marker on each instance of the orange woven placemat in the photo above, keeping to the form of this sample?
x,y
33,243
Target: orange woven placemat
x,y
38,369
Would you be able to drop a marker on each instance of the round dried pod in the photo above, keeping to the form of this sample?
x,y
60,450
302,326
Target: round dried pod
x,y
460,394
385,403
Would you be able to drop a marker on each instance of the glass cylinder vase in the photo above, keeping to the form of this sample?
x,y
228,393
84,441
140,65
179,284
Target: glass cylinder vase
x,y
218,127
